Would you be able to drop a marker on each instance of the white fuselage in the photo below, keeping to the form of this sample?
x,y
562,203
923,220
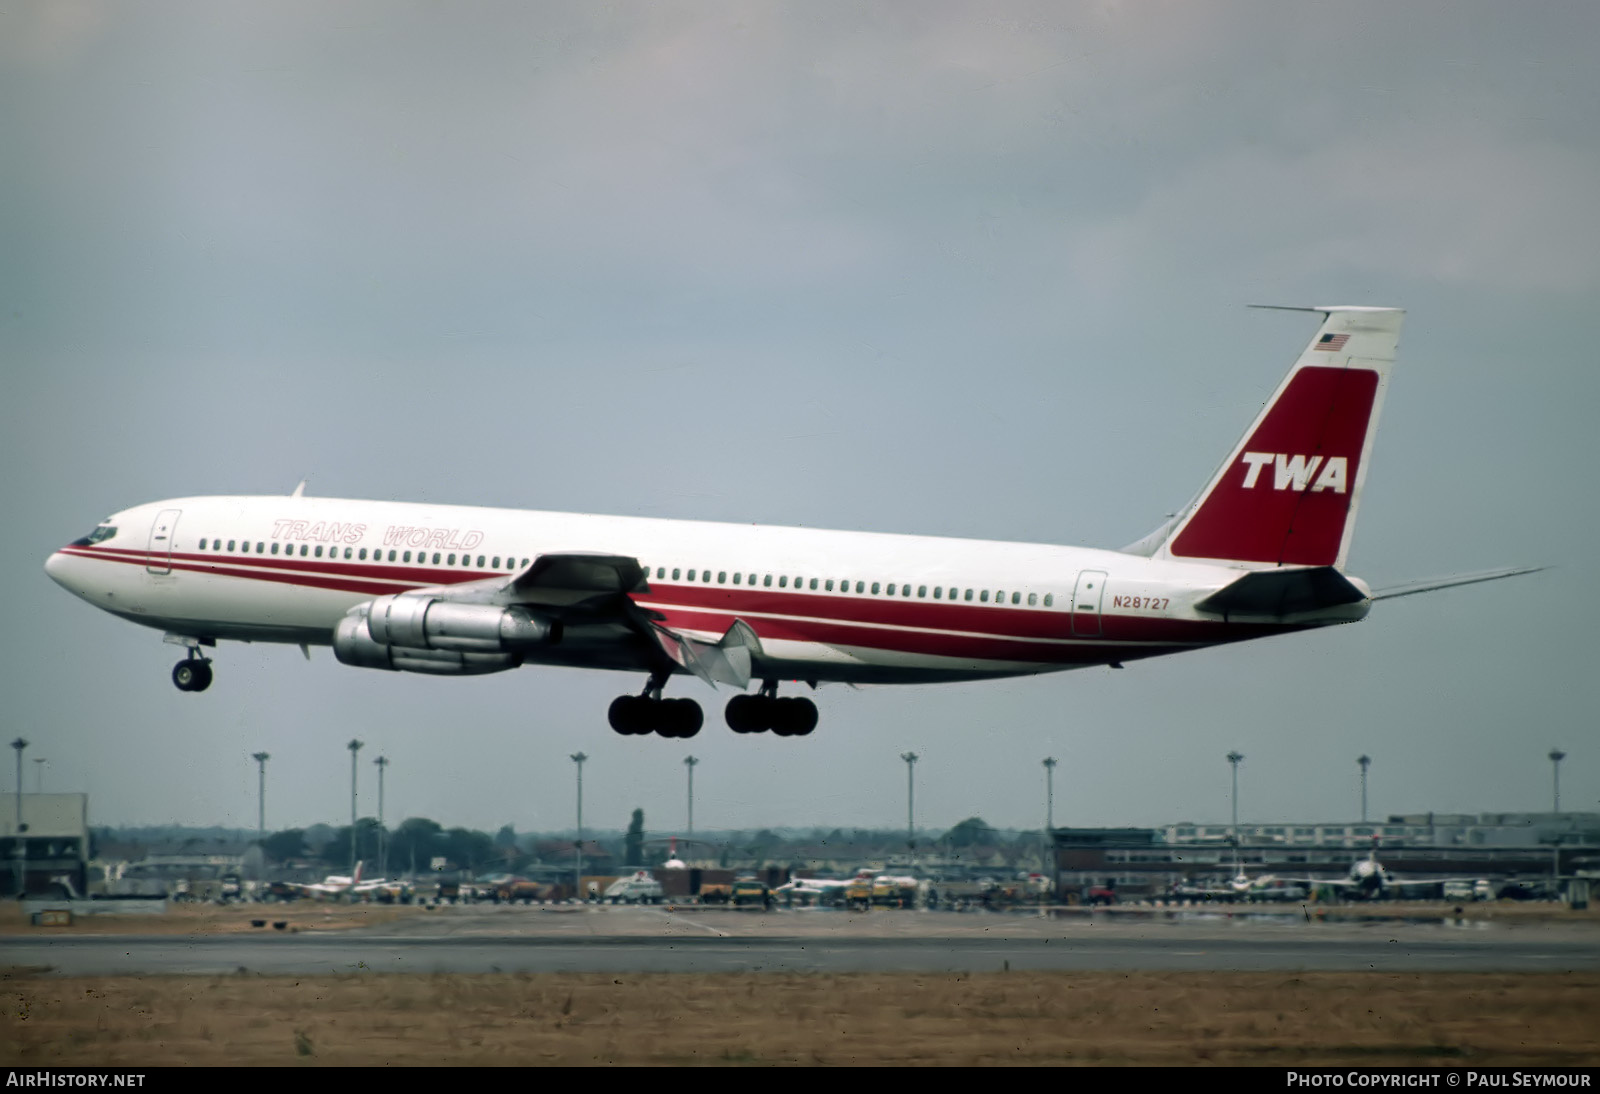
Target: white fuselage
x,y
826,605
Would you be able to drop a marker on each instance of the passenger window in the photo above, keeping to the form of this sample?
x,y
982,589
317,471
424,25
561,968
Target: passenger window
x,y
722,577
891,588
274,548
736,578
905,590
202,545
524,564
1033,598
675,572
691,575
480,562
391,556
1049,599
436,558
938,592
1016,598
495,564
922,591
783,582
363,554
705,575
874,588
860,586
813,584
230,545
984,596
967,595
766,581
408,556
452,560
318,552
828,585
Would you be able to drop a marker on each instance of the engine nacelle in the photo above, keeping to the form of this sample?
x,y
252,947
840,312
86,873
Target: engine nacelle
x,y
353,645
430,623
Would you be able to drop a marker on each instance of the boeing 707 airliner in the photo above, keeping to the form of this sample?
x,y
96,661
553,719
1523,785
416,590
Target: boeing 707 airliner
x,y
1260,551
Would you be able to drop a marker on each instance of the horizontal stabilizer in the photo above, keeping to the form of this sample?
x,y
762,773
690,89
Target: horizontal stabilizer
x,y
1431,584
1283,592
724,662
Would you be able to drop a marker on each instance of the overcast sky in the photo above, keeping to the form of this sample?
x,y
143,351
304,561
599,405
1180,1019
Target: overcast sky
x,y
958,269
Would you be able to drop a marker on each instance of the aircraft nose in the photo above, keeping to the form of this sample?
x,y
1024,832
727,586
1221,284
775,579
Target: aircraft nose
x,y
60,566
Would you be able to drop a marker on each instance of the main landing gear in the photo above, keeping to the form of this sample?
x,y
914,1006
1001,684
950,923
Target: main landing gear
x,y
764,710
192,674
649,713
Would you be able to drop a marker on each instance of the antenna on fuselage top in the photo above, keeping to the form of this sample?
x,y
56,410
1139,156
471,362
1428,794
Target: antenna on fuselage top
x,y
299,491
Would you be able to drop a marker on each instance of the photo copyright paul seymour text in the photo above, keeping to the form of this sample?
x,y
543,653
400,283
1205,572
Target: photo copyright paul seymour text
x,y
1467,1079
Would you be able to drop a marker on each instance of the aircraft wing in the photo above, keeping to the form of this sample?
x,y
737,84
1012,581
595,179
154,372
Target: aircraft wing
x,y
586,587
562,584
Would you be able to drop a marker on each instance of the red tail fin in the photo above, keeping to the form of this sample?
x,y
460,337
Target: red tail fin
x,y
1287,494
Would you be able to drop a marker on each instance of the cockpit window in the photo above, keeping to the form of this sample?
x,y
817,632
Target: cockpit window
x,y
100,534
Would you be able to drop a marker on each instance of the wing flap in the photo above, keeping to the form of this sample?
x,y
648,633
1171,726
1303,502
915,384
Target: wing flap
x,y
726,661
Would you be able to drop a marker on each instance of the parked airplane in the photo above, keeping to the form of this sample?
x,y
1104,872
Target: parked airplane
x,y
1243,887
1369,879
457,591
337,885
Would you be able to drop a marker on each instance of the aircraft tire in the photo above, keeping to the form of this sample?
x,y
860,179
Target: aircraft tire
x,y
680,718
804,717
740,713
192,675
629,715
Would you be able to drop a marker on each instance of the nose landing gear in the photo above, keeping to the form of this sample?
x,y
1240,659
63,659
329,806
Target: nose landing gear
x,y
192,674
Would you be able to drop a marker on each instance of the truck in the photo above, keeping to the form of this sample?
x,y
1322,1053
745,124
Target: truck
x,y
639,888
749,890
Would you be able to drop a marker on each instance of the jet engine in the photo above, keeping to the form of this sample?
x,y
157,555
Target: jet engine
x,y
412,633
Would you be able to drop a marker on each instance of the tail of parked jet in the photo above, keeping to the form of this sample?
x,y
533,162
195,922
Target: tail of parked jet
x,y
1287,493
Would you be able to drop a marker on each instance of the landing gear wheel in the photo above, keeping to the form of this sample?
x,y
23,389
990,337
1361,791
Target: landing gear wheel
x,y
680,718
629,715
192,675
742,713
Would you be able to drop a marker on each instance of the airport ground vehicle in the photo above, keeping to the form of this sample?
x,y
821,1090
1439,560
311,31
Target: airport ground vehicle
x,y
715,892
639,888
889,891
750,891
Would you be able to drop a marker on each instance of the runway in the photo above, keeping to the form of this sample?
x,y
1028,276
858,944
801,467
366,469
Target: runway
x,y
485,939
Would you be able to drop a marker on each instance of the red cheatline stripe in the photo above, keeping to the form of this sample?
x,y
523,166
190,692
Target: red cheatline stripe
x,y
1000,633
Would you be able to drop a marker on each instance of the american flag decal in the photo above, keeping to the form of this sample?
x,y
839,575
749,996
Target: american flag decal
x,y
1331,342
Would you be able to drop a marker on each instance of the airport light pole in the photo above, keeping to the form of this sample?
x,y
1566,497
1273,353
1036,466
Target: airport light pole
x,y
1049,763
261,759
1234,758
354,746
21,849
689,762
911,798
577,887
1365,761
383,835
1556,756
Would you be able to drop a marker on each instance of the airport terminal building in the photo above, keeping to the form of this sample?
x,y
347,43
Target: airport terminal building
x,y
1528,850
44,844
